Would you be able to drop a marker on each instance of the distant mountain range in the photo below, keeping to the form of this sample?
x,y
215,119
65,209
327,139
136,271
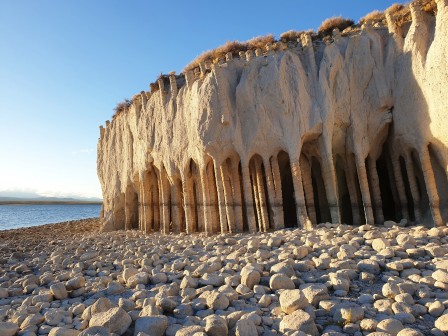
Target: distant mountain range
x,y
21,196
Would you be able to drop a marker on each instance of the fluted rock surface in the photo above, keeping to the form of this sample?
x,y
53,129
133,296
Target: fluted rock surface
x,y
350,131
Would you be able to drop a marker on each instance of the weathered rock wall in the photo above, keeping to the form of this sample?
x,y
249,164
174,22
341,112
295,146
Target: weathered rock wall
x,y
351,131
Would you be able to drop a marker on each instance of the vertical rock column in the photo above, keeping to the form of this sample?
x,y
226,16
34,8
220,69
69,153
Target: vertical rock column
x,y
413,186
329,177
248,197
221,198
156,202
376,193
188,204
399,183
228,197
353,191
176,215
262,198
166,208
279,220
205,196
145,202
365,192
270,191
256,194
237,202
212,201
431,187
308,189
202,222
150,213
299,196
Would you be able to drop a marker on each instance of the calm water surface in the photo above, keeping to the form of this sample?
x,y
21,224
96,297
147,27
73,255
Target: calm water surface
x,y
17,216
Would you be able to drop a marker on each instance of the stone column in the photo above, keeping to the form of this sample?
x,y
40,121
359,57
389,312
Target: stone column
x,y
253,173
188,205
141,206
228,197
278,201
353,191
206,202
156,206
166,209
431,187
262,197
413,186
176,215
145,201
237,202
398,178
212,201
376,192
150,214
221,199
308,188
365,192
270,191
302,216
330,182
248,197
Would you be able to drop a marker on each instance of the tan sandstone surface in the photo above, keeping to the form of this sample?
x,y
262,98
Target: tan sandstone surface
x,y
70,279
350,131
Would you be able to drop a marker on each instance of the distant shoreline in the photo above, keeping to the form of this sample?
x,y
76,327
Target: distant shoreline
x,y
48,202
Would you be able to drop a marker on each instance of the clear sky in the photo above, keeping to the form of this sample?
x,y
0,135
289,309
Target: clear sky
x,y
65,64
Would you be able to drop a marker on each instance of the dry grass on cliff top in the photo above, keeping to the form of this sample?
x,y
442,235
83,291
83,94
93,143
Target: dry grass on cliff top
x,y
339,22
230,46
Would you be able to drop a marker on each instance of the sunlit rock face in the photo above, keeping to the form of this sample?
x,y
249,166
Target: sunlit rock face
x,y
351,131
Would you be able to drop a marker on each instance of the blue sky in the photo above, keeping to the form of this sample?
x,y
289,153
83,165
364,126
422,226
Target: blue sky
x,y
65,64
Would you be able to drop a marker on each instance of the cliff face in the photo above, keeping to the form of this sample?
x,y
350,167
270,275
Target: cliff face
x,y
353,131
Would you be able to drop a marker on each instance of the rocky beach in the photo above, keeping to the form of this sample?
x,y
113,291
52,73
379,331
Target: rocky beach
x,y
72,279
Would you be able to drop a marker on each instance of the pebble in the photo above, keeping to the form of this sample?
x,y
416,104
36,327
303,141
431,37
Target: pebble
x,y
332,280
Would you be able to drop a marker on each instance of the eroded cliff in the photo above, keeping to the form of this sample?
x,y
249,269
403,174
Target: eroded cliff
x,y
351,131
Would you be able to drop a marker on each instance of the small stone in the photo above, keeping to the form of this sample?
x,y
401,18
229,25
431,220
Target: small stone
x,y
140,278
245,327
59,331
379,244
369,266
8,328
114,288
281,281
409,332
390,326
315,293
250,276
299,320
217,301
190,331
75,283
436,308
116,320
151,325
348,313
59,291
442,323
101,305
89,255
95,331
293,299
215,325
441,275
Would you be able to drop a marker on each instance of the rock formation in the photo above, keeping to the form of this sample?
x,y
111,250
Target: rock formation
x,y
351,131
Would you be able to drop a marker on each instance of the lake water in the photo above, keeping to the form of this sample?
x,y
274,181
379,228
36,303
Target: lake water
x,y
17,216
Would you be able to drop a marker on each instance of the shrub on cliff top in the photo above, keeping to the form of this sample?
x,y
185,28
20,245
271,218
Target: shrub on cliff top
x,y
339,22
373,17
231,46
211,55
121,106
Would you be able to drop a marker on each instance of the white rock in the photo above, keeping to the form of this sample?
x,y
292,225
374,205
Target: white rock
x,y
293,299
116,320
152,325
299,320
8,328
281,281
